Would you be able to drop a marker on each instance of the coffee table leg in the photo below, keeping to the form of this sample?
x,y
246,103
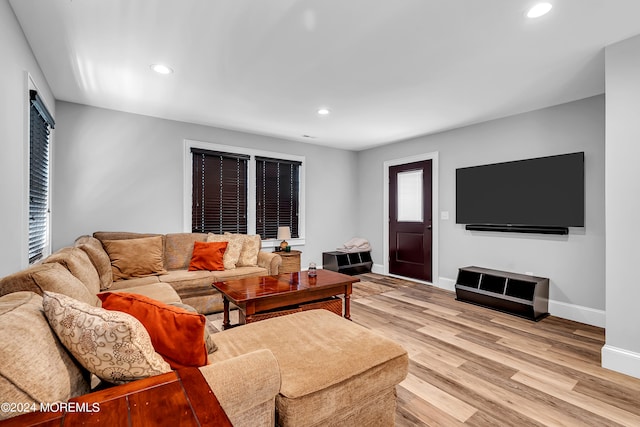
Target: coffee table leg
x,y
225,319
347,303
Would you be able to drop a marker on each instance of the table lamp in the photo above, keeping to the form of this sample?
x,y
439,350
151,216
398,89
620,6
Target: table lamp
x,y
284,233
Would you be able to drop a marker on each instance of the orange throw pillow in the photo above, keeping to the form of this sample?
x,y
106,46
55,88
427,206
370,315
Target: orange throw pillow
x,y
208,256
176,334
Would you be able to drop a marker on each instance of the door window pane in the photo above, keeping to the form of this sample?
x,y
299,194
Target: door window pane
x,y
410,196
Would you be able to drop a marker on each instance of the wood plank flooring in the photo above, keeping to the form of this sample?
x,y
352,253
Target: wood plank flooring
x,y
478,367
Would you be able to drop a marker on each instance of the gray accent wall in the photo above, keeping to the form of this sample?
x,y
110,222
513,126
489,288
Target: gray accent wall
x,y
17,62
121,171
574,263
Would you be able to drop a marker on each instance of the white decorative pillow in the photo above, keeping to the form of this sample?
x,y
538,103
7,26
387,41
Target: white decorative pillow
x,y
234,248
110,344
251,244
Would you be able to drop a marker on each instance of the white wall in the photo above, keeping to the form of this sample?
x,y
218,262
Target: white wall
x,y
574,263
121,171
622,350
17,61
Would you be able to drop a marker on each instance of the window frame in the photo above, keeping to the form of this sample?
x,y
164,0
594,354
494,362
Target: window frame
x,y
251,186
46,250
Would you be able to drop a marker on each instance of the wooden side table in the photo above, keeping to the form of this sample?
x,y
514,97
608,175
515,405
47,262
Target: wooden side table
x,y
290,261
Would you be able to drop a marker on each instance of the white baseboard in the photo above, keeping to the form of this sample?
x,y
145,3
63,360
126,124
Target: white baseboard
x,y
578,313
446,284
621,360
377,268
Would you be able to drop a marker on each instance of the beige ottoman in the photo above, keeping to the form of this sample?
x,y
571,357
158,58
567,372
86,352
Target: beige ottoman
x,y
333,371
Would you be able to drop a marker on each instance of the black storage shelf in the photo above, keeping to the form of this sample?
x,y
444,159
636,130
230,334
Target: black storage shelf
x,y
347,262
519,294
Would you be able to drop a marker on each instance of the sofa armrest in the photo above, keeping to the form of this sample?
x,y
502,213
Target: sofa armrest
x,y
244,383
271,261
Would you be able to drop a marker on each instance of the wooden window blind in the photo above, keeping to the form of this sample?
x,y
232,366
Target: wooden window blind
x,y
277,196
219,199
39,129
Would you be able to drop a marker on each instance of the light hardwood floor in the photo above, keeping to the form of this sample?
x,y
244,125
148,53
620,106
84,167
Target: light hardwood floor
x,y
475,366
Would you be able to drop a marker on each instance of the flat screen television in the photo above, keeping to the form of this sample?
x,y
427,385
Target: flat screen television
x,y
524,195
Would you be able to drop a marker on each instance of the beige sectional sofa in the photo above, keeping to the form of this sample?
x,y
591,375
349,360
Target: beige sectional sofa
x,y
310,368
193,287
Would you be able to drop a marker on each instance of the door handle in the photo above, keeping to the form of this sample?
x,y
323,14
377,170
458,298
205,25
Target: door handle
x,y
429,227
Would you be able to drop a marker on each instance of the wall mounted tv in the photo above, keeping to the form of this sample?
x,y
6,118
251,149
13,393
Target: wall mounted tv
x,y
541,195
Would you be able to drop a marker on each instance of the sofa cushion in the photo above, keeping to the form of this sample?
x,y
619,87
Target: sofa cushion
x,y
99,258
158,291
137,281
178,248
238,273
333,365
135,257
48,277
208,256
211,303
177,335
234,248
78,263
34,365
251,244
112,345
182,280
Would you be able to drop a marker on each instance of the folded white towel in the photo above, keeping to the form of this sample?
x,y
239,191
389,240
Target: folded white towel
x,y
364,248
357,244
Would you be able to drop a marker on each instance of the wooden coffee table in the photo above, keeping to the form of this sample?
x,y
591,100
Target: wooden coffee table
x,y
258,295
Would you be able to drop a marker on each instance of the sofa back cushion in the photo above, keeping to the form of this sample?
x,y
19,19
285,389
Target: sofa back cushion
x,y
178,249
135,257
34,365
78,263
122,235
99,258
48,277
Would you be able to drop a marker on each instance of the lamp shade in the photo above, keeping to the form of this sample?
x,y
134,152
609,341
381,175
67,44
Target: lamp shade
x,y
284,233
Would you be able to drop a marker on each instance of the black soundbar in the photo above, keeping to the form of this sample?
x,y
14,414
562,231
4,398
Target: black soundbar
x,y
518,228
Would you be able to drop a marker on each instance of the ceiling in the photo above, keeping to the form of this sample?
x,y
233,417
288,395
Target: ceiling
x,y
386,69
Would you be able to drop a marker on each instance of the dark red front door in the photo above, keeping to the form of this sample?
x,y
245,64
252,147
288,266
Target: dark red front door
x,y
410,222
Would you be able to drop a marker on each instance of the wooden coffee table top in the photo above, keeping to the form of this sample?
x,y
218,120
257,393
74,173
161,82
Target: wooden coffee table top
x,y
253,288
180,397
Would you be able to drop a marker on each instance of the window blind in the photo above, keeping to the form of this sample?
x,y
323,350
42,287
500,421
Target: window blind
x,y
219,199
39,129
277,196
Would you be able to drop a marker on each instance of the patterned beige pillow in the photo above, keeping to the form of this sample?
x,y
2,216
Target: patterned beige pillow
x,y
234,248
250,247
34,365
110,344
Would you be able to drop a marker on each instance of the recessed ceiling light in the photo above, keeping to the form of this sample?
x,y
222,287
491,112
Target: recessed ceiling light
x,y
324,111
161,69
539,9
